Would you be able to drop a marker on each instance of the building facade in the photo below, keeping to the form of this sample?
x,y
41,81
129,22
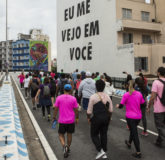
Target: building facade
x,y
3,55
21,55
142,28
111,36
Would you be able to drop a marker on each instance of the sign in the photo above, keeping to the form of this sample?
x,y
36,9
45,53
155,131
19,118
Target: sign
x,y
87,37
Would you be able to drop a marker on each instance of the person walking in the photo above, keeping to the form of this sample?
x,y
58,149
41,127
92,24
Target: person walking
x,y
45,97
34,85
141,87
158,101
100,106
109,89
26,86
132,100
52,89
77,85
68,116
21,79
86,89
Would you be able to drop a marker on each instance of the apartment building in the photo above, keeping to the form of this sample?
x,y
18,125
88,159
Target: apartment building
x,y
111,36
3,55
141,28
21,55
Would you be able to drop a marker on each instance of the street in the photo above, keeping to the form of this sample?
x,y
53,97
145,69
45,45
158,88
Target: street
x,y
82,147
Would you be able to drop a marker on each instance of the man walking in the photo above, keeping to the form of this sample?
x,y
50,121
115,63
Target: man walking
x,y
68,116
157,98
87,89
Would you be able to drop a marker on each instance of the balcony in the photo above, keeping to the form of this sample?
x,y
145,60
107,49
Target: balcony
x,y
138,25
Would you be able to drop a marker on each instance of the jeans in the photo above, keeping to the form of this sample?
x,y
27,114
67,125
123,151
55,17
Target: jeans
x,y
133,123
85,102
160,125
43,110
99,134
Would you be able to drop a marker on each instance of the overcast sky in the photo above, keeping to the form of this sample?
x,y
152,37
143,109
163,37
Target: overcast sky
x,y
27,14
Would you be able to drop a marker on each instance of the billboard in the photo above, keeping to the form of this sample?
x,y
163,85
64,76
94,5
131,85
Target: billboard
x,y
39,55
87,38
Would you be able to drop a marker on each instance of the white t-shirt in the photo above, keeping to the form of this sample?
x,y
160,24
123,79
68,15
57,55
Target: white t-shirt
x,y
26,82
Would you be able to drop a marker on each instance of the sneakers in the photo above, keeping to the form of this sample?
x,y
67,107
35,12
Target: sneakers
x,y
105,157
144,134
128,144
49,118
158,144
137,155
66,151
100,154
34,108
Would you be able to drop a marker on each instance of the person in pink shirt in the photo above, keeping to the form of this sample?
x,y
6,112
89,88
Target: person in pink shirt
x,y
132,100
68,116
21,79
159,108
52,74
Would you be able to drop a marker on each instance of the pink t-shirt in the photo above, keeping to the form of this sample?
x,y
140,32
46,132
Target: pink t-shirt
x,y
132,103
52,74
21,78
157,87
66,105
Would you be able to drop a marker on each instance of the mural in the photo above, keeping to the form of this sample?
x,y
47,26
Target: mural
x,y
39,55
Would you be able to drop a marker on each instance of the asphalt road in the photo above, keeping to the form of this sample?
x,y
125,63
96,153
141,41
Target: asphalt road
x,y
82,147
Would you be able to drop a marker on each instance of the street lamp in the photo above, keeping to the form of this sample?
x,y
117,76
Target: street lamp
x,y
6,40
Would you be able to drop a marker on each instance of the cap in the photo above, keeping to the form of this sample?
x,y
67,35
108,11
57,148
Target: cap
x,y
67,87
88,74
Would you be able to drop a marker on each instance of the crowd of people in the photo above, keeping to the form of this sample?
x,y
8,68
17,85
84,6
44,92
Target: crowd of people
x,y
70,93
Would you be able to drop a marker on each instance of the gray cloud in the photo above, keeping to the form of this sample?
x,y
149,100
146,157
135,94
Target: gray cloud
x,y
27,14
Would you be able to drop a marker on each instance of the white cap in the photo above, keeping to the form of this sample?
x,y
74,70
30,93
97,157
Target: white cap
x,y
88,74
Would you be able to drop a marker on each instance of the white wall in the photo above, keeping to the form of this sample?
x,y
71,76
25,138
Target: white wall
x,y
105,55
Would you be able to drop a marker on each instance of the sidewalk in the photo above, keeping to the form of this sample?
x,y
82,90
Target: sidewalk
x,y
12,144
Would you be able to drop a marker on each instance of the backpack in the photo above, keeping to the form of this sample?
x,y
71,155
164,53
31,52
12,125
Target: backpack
x,y
53,87
46,91
162,99
63,82
34,85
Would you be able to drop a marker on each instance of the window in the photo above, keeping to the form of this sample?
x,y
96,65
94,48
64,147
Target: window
x,y
127,13
146,39
127,38
141,63
145,16
163,59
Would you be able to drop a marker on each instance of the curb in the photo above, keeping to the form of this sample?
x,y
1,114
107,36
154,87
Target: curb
x,y
48,150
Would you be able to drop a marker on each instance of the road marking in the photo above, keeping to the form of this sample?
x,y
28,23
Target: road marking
x,y
48,150
151,132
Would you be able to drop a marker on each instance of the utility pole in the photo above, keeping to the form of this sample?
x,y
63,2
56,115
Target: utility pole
x,y
7,40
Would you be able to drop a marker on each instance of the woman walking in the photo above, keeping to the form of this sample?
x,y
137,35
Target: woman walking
x,y
21,79
132,100
45,97
100,105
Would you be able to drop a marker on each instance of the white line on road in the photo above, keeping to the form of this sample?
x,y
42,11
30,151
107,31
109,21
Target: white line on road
x,y
151,132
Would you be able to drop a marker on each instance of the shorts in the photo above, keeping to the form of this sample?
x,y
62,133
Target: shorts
x,y
53,94
66,128
33,93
